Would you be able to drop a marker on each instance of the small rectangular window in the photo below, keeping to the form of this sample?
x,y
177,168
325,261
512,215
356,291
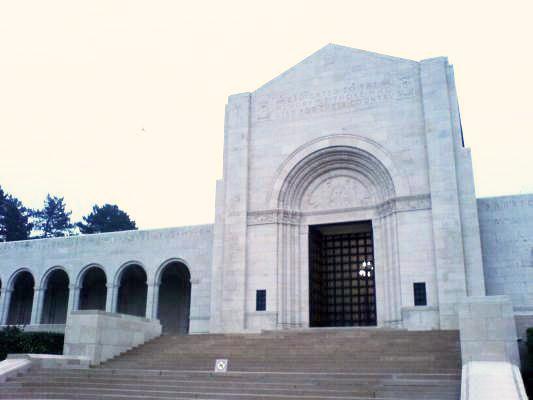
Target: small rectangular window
x,y
260,300
420,293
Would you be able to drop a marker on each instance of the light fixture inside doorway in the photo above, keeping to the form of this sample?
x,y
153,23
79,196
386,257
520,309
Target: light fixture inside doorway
x,y
365,270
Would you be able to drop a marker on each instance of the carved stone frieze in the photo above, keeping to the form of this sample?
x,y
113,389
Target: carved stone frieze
x,y
273,217
109,239
407,203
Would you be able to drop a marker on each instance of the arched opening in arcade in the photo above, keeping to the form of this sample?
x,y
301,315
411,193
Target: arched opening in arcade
x,y
93,291
21,301
55,300
174,298
132,291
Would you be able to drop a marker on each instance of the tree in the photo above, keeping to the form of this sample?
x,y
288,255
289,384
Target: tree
x,y
108,218
14,219
53,220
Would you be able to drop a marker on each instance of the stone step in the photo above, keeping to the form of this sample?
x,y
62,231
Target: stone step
x,y
264,376
67,395
121,384
341,364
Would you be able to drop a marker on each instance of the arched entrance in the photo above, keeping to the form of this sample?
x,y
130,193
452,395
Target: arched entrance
x,y
21,301
342,275
55,301
93,292
336,213
132,291
174,298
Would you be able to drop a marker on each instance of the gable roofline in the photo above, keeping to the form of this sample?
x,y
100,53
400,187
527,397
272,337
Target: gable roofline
x,y
336,46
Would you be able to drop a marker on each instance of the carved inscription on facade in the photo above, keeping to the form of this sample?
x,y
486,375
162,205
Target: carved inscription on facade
x,y
73,243
348,97
505,203
273,217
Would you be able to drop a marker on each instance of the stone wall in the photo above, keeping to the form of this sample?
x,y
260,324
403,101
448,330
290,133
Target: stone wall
x,y
488,330
150,249
101,336
506,225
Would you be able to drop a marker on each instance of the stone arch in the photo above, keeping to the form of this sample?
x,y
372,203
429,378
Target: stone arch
x,y
363,173
173,278
92,284
355,148
132,289
21,284
337,160
55,291
164,264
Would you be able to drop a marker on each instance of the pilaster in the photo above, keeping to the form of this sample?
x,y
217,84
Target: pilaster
x,y
475,279
218,261
237,131
447,229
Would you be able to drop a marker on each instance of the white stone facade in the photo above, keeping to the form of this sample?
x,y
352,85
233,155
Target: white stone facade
x,y
344,136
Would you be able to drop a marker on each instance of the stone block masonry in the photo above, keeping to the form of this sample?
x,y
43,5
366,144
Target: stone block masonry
x,y
488,330
102,336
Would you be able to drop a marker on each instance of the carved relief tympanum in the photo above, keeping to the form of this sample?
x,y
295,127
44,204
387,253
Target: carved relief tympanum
x,y
337,193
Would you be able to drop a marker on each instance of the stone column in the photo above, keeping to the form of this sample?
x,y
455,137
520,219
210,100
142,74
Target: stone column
x,y
151,302
73,298
36,308
111,301
5,298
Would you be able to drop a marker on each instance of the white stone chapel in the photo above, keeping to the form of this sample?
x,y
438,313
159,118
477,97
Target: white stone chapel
x,y
347,199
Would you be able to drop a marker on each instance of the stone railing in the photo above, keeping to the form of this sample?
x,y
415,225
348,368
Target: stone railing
x,y
101,336
489,350
491,380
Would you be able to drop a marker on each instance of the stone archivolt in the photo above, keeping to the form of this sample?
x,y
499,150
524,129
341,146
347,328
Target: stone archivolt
x,y
336,177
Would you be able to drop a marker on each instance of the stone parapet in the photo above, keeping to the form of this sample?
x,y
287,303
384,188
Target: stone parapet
x,y
487,329
491,380
101,335
53,361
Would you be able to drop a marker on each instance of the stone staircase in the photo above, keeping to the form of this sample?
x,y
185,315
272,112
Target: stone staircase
x,y
341,364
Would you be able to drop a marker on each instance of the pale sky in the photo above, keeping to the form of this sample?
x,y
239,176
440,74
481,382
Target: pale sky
x,y
80,80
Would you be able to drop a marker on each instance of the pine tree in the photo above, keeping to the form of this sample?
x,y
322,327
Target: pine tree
x,y
53,220
14,219
108,218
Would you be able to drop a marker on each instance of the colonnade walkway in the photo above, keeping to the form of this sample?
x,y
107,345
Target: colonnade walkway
x,y
345,364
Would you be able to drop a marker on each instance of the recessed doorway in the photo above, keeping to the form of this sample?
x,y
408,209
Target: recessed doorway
x,y
342,288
